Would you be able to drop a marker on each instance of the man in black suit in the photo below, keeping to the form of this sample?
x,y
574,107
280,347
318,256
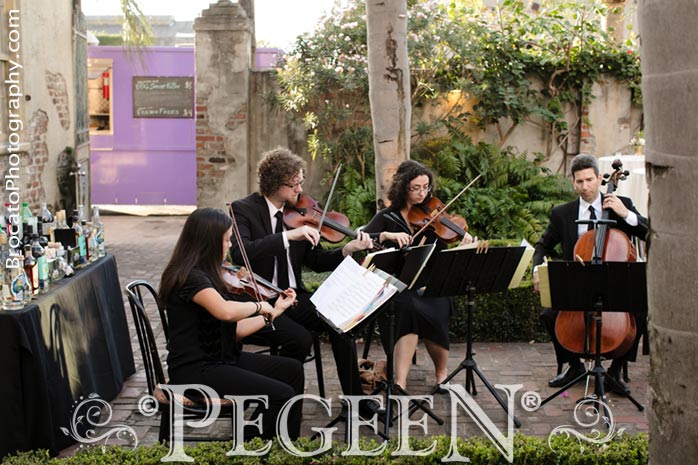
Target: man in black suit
x,y
277,254
564,231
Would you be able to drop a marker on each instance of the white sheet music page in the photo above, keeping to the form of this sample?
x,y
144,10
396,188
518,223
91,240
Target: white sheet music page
x,y
350,294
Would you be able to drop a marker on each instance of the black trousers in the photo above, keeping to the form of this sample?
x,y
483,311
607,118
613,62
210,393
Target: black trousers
x,y
292,335
280,378
548,317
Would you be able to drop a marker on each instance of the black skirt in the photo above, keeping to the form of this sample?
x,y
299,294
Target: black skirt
x,y
426,317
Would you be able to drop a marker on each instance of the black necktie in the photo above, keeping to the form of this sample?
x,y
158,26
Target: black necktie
x,y
281,260
592,216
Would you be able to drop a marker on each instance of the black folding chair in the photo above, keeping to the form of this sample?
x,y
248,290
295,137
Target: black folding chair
x,y
155,375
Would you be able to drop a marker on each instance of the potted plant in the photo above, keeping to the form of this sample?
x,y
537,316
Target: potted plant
x,y
638,143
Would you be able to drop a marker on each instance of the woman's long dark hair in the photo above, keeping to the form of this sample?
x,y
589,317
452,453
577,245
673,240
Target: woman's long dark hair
x,y
199,245
406,172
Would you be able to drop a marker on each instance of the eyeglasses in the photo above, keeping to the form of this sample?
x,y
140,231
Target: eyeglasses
x,y
415,189
294,186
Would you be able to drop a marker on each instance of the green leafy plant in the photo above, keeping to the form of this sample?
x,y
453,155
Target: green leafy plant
x,y
625,448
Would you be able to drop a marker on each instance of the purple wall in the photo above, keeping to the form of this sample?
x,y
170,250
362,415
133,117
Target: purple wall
x,y
148,161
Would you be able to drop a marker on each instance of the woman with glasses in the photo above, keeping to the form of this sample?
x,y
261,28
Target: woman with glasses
x,y
417,317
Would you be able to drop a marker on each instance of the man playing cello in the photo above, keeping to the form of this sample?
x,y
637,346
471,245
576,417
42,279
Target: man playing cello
x,y
563,230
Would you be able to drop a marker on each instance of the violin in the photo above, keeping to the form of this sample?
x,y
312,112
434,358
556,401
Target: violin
x,y
307,212
449,227
618,329
239,278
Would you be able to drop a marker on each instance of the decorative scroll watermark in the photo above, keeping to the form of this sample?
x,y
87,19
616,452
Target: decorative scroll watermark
x,y
86,416
592,409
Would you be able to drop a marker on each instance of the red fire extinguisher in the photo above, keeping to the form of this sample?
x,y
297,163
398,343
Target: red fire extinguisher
x,y
105,84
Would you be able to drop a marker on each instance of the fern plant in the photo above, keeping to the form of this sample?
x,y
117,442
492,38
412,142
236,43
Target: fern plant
x,y
512,199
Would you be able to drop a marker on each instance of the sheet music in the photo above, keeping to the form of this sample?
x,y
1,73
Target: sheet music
x,y
350,294
523,264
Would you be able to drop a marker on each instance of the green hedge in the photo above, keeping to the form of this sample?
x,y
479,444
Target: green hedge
x,y
510,316
624,449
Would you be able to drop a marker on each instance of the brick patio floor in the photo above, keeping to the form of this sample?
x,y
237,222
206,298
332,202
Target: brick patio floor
x,y
142,246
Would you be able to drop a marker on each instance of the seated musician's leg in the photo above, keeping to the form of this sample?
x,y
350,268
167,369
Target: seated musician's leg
x,y
404,349
439,356
576,368
292,339
343,348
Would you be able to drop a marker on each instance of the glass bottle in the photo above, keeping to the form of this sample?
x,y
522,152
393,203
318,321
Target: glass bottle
x,y
41,263
31,270
15,289
89,249
81,249
48,222
98,231
27,218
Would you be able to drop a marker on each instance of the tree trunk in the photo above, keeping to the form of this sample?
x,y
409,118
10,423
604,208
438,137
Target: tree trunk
x,y
670,73
389,88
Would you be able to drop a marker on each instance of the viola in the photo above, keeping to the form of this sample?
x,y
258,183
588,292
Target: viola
x,y
449,227
307,212
239,278
618,329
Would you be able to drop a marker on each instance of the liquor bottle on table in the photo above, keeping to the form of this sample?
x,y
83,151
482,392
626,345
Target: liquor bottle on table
x,y
81,249
32,272
98,231
47,221
41,263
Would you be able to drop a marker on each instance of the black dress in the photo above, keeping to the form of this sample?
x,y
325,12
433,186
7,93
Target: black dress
x,y
428,317
203,350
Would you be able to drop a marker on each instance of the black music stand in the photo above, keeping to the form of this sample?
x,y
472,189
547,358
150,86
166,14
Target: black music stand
x,y
408,264
594,289
467,272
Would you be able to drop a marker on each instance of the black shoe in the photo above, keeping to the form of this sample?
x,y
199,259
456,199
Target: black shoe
x,y
616,386
370,407
566,376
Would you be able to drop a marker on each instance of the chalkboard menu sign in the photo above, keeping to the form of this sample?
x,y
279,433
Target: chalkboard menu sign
x,y
163,97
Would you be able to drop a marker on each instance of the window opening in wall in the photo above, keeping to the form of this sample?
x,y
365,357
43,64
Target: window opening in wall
x,y
99,95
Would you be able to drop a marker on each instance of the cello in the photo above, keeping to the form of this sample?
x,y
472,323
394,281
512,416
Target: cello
x,y
602,244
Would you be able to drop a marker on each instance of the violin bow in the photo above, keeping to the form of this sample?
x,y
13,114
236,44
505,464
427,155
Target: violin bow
x,y
245,259
433,218
329,199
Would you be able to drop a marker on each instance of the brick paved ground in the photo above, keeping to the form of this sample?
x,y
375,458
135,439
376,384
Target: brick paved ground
x,y
142,246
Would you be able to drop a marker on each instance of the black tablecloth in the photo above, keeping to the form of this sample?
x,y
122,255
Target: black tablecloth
x,y
68,344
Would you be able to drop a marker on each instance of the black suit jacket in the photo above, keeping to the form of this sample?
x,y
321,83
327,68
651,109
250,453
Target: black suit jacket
x,y
562,229
263,245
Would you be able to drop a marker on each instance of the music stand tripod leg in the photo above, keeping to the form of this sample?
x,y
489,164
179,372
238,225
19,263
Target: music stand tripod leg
x,y
470,365
343,415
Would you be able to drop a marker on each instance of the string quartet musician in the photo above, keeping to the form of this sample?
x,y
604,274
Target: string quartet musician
x,y
417,317
205,319
563,230
277,254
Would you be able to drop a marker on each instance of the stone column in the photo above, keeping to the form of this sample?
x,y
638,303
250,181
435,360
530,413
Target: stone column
x,y
669,77
223,60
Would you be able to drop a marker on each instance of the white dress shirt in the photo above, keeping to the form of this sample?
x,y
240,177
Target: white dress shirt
x,y
291,277
585,214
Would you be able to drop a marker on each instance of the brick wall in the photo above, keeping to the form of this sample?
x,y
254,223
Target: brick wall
x,y
36,162
58,92
211,157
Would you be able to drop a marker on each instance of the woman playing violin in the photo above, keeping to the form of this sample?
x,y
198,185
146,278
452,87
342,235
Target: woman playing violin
x,y
427,318
205,320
